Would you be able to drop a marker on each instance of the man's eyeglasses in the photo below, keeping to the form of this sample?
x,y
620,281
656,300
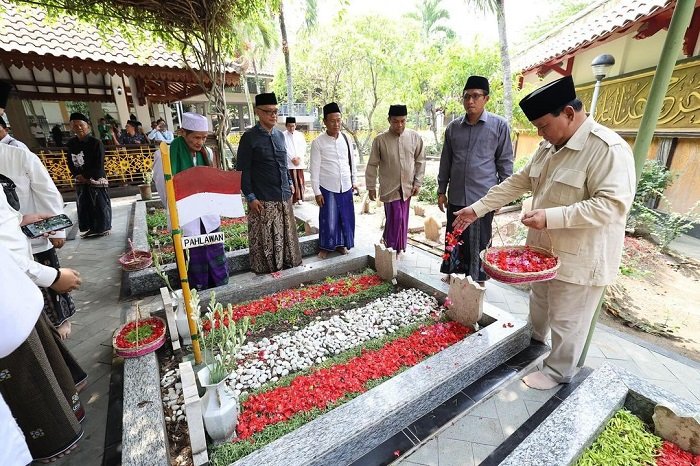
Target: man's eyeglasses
x,y
269,112
474,96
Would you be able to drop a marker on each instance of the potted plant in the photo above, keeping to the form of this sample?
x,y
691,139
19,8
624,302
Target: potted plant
x,y
145,188
220,339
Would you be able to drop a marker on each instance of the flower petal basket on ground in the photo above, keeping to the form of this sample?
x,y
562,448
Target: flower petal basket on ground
x,y
139,337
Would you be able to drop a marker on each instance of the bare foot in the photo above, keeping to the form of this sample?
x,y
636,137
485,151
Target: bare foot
x,y
342,250
64,329
539,381
323,254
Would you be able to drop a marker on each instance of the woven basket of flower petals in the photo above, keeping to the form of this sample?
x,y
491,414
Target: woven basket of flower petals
x,y
520,264
135,259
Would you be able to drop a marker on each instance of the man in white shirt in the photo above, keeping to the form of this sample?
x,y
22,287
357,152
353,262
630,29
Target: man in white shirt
x,y
5,137
38,193
161,133
333,181
296,154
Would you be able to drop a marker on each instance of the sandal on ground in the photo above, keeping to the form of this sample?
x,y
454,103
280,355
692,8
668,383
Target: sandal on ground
x,y
87,233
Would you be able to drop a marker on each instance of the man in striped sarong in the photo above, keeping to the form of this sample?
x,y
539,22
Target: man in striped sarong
x,y
397,155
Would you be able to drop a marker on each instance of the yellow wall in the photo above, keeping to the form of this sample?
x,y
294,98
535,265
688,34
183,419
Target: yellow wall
x,y
685,190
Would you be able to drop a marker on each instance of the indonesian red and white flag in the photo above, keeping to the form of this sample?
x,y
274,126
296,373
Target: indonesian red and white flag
x,y
203,191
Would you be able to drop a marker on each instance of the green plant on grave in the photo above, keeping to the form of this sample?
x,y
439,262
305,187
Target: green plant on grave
x,y
220,337
625,440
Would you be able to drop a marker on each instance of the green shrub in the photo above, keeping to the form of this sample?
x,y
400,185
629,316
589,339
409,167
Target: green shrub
x,y
428,192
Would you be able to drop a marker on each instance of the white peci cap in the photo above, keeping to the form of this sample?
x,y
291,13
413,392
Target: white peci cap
x,y
194,122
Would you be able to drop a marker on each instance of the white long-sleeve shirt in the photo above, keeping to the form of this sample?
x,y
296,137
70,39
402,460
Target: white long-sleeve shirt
x,y
296,147
12,238
331,164
36,190
10,141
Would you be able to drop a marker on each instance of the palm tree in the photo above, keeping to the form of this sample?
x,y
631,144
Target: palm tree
x,y
498,7
430,14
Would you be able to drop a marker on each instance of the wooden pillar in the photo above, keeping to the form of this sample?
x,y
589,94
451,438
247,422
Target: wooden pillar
x,y
142,112
96,112
15,114
119,93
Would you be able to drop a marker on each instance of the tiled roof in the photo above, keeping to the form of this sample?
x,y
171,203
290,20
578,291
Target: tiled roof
x,y
594,23
27,30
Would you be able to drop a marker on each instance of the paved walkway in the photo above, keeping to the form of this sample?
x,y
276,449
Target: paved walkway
x,y
99,313
466,441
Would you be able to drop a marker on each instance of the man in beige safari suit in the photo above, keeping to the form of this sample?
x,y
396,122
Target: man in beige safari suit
x,y
582,181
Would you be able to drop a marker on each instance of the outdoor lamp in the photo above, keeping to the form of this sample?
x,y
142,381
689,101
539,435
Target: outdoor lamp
x,y
600,66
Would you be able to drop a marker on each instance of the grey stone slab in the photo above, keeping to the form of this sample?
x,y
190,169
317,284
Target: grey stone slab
x,y
482,430
485,409
568,430
455,453
427,454
353,429
481,451
533,406
144,440
511,409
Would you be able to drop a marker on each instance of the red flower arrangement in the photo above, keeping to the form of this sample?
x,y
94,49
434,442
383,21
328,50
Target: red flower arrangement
x,y
520,260
139,337
329,385
672,455
288,298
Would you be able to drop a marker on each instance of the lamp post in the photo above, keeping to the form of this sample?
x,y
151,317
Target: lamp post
x,y
600,66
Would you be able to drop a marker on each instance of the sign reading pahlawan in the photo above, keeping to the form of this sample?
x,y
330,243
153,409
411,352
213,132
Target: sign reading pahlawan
x,y
202,240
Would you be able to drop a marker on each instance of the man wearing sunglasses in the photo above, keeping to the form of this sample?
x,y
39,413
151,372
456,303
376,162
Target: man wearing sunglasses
x,y
268,188
477,155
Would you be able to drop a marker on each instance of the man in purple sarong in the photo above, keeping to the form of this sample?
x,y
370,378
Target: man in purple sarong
x,y
333,171
397,154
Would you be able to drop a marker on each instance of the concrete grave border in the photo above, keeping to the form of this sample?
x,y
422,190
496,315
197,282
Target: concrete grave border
x,y
147,282
355,428
564,435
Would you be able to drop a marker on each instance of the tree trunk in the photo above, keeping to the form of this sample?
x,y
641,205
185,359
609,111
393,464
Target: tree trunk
x,y
246,91
433,127
287,62
505,62
255,73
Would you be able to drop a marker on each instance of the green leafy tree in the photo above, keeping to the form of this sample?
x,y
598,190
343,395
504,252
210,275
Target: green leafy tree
x,y
552,20
204,32
430,14
360,74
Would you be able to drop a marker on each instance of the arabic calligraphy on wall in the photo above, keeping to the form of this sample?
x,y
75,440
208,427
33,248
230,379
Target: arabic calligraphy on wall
x,y
622,101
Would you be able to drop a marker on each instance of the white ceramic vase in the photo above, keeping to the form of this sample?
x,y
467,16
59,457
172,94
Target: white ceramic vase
x,y
183,328
219,408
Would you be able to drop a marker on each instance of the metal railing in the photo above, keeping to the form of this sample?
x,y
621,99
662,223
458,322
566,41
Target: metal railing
x,y
300,109
123,164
